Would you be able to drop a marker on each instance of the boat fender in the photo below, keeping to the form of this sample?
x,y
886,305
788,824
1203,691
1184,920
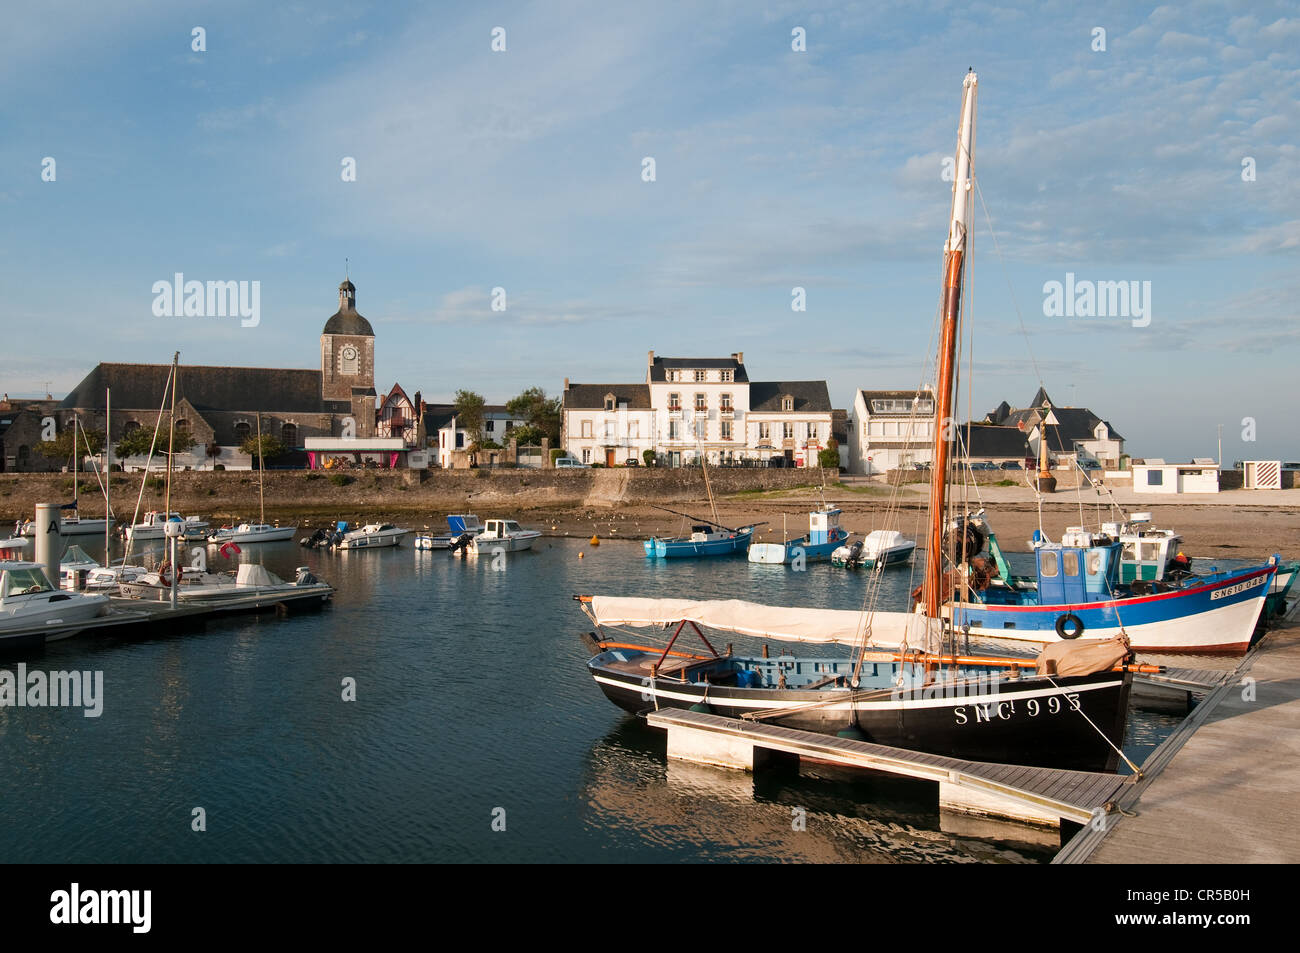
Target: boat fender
x,y
1069,619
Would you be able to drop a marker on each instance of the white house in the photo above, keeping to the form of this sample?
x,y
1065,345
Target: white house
x,y
449,436
1156,476
891,429
607,423
697,405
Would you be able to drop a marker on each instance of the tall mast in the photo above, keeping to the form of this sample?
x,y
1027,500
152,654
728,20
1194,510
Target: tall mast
x,y
108,470
954,260
171,439
261,474
75,499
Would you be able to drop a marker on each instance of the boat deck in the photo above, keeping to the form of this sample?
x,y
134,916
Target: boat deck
x,y
1069,795
1223,787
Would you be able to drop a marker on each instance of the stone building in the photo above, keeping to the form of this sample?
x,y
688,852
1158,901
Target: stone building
x,y
220,406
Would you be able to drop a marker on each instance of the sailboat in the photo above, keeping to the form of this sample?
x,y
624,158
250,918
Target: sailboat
x,y
74,525
260,532
707,538
1066,710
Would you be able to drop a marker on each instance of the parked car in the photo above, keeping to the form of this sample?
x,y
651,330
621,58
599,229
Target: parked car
x,y
1012,465
631,462
569,463
1090,465
983,465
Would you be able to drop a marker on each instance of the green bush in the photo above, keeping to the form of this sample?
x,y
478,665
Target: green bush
x,y
340,479
219,466
648,456
313,475
155,483
556,453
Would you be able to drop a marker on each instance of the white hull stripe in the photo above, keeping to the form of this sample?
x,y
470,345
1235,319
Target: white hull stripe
x,y
890,705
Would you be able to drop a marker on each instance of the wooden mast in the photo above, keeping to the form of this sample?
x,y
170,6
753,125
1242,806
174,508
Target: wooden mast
x,y
954,251
261,472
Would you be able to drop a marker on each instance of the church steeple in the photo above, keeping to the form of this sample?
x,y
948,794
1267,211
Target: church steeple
x,y
347,296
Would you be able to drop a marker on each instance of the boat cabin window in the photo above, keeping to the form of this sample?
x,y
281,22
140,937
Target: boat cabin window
x,y
1094,563
1149,552
20,580
1071,562
1048,564
512,526
1130,552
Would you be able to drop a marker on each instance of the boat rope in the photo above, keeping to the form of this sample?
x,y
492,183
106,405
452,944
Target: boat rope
x,y
1104,737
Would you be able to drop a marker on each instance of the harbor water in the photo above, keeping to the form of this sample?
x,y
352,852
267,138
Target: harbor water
x,y
476,733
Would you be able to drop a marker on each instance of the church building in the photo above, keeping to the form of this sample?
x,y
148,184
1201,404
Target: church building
x,y
219,406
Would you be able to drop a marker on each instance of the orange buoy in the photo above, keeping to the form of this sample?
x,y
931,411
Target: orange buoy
x,y
581,554
595,541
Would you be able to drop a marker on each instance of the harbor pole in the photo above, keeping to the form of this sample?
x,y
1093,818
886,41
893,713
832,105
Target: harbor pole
x,y
47,540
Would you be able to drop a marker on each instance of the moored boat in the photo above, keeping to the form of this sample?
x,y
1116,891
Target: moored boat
x,y
458,526
502,536
825,535
252,533
28,600
154,523
705,540
886,547
373,536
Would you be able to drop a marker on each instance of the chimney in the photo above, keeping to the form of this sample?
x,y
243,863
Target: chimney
x,y
738,357
651,358
566,383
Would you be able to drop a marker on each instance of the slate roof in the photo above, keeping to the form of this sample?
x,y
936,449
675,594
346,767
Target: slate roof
x,y
991,441
137,386
661,364
592,396
809,396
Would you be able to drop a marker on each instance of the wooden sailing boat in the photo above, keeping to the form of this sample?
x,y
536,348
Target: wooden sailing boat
x,y
1067,713
260,532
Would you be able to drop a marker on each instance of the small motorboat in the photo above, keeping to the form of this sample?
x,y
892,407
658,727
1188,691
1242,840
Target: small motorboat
x,y
884,546
458,525
28,600
373,536
705,540
250,580
154,521
502,536
825,535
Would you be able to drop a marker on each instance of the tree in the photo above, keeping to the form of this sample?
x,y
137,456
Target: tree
x,y
830,457
60,448
469,416
271,446
538,410
527,435
137,442
213,450
648,456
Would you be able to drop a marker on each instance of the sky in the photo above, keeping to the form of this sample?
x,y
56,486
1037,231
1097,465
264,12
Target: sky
x,y
1170,156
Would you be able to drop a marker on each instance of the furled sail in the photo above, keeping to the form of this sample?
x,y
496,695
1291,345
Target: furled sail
x,y
784,623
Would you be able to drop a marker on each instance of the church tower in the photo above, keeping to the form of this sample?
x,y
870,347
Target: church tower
x,y
347,363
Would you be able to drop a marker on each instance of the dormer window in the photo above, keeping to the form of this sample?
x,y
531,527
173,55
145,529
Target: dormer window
x,y
672,375
609,401
727,376
787,403
701,376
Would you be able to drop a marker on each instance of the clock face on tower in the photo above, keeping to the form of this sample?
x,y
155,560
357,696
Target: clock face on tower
x,y
349,359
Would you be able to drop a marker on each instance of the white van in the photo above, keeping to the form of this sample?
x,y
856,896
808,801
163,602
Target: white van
x,y
569,463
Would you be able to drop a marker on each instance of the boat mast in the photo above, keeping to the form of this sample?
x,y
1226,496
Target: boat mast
x,y
75,508
954,259
261,472
108,470
171,438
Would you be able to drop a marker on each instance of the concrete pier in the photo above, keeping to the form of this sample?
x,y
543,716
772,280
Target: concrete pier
x,y
1225,787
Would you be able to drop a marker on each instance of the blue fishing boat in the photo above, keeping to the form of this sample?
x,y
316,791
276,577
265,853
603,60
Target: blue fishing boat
x,y
705,540
1077,588
824,535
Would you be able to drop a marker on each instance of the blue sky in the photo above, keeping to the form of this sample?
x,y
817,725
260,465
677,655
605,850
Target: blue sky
x,y
775,169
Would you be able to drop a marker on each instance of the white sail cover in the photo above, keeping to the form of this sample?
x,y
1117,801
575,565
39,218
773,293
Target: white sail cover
x,y
784,623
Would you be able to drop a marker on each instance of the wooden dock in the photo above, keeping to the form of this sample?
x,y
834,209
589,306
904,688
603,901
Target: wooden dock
x,y
1225,786
1035,795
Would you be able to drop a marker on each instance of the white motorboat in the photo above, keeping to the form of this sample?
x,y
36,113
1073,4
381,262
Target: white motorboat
x,y
503,536
75,560
154,521
458,526
252,533
27,601
72,526
250,580
373,536
885,546
110,578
